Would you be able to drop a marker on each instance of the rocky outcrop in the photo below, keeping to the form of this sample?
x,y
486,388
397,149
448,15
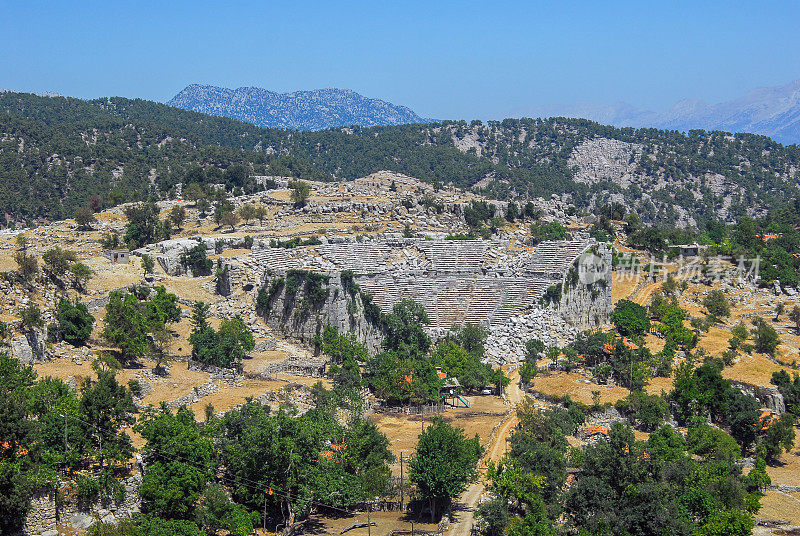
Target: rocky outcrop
x,y
506,343
586,290
29,347
481,282
168,252
769,396
297,315
603,159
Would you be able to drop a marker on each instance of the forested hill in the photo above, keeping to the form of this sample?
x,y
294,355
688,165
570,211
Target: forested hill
x,y
303,110
56,152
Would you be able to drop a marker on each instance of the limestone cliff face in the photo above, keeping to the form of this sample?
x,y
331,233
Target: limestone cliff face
x,y
303,312
768,395
586,295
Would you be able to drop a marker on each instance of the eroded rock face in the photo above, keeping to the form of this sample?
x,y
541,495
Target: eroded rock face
x,y
294,315
602,159
769,396
29,347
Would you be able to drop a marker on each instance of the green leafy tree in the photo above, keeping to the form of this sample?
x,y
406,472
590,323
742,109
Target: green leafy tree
x,y
630,318
57,261
146,525
235,339
495,514
263,451
535,523
180,460
541,231
143,225
125,325
130,317
403,331
229,219
223,348
726,523
106,407
148,264
739,335
717,305
472,338
30,317
81,274
247,212
84,218
74,322
18,472
177,215
711,443
457,362
216,512
758,478
162,307
778,437
765,338
259,213
196,259
743,418
445,464
647,410
27,265
193,192
300,192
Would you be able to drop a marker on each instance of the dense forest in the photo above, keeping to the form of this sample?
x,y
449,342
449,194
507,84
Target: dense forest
x,y
56,152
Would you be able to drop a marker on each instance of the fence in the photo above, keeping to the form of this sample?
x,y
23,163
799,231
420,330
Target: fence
x,y
428,409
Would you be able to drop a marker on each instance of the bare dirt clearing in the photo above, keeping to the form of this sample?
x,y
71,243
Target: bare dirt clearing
x,y
559,383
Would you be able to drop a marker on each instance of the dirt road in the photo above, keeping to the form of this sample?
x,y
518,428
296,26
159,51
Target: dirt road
x,y
465,507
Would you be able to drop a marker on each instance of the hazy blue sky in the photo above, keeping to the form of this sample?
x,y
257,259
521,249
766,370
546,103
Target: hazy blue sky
x,y
443,59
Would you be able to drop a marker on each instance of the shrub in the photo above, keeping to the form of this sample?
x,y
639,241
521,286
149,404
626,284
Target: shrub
x,y
300,192
87,489
765,338
196,259
31,317
74,322
541,232
135,387
717,305
110,240
551,295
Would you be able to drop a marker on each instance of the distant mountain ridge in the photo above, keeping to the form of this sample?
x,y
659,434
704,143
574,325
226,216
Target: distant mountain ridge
x,y
770,111
56,153
302,110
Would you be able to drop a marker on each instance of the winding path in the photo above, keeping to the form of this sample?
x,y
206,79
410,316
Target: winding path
x,y
469,500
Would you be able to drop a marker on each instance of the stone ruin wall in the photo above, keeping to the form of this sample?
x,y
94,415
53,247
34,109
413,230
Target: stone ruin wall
x,y
46,513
